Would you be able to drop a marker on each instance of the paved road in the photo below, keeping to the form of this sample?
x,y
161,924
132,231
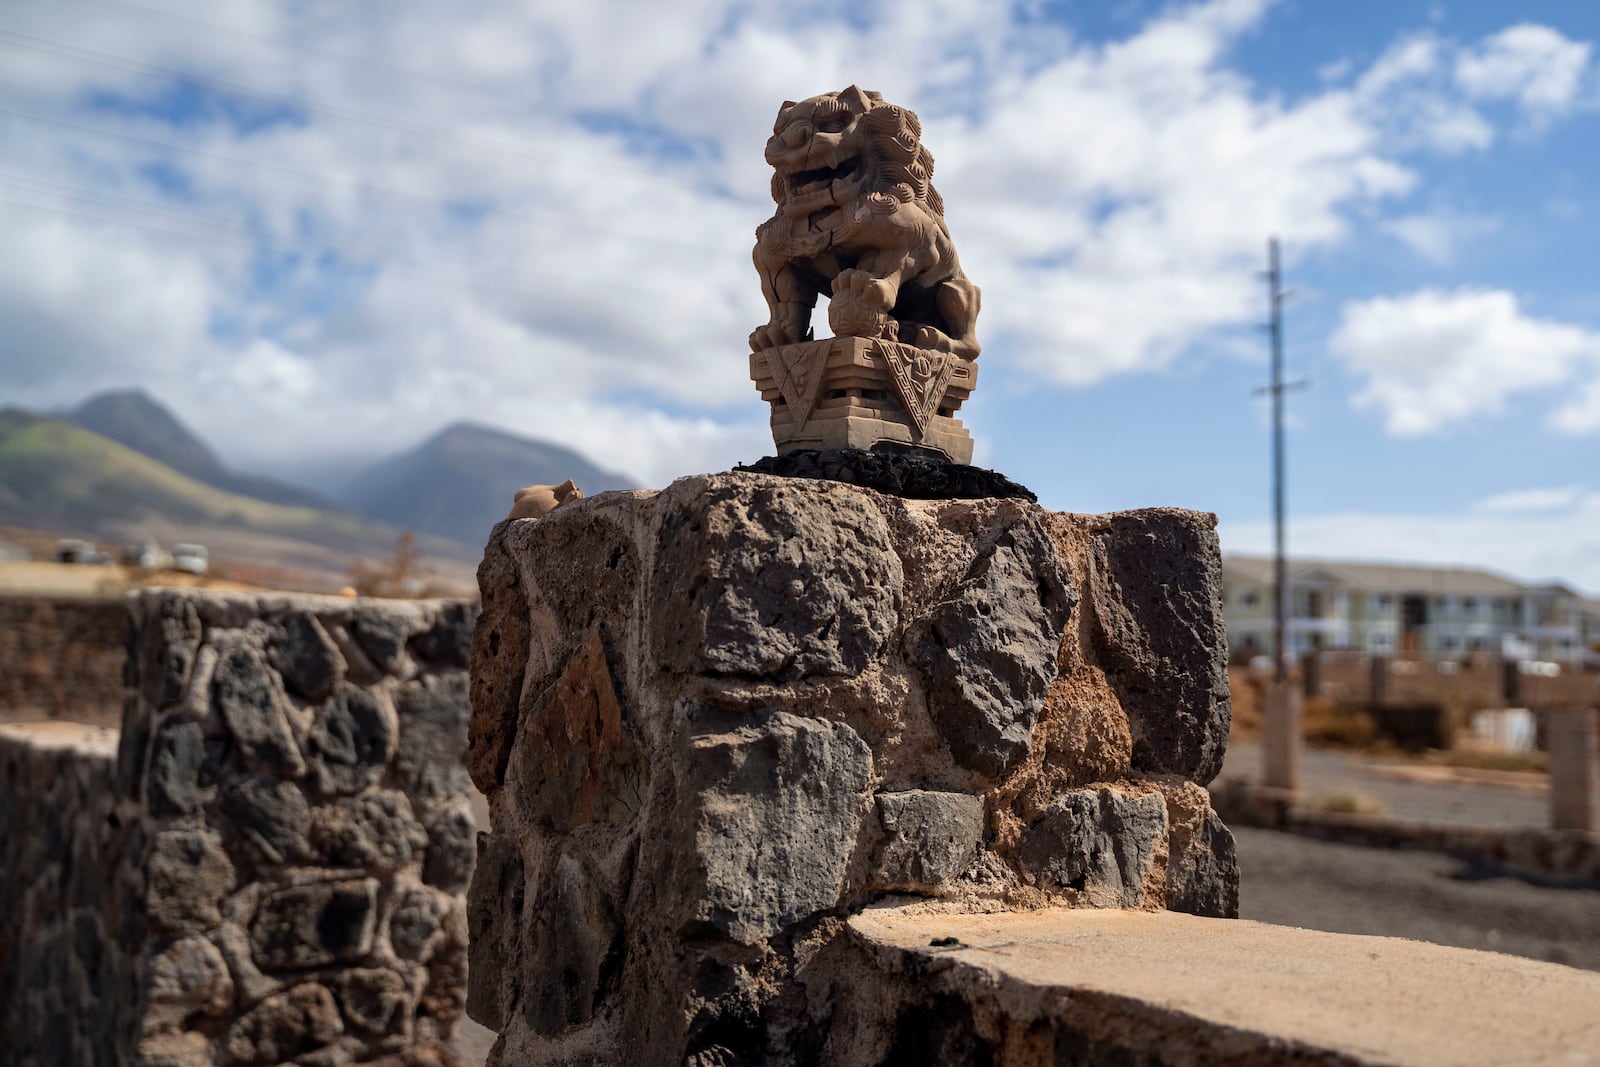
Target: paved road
x,y
1296,881
1397,785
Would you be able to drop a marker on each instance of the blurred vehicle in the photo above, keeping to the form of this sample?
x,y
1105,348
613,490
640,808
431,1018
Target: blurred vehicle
x,y
72,550
149,556
190,559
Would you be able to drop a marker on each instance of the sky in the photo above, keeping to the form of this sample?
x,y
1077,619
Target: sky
x,y
320,233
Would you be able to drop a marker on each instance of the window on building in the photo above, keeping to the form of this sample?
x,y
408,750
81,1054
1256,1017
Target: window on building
x,y
1442,603
1469,604
1250,598
1384,600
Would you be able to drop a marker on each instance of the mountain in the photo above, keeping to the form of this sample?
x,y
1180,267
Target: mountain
x,y
135,419
58,476
461,481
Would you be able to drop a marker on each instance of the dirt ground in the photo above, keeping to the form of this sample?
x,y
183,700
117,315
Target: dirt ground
x,y
1295,881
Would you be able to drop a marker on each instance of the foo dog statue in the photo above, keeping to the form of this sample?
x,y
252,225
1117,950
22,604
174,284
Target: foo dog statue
x,y
859,220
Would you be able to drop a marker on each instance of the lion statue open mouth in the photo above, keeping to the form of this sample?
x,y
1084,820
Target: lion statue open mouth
x,y
858,218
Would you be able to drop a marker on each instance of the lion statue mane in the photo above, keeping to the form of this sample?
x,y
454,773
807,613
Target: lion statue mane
x,y
858,218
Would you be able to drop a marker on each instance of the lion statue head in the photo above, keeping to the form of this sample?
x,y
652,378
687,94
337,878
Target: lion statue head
x,y
836,149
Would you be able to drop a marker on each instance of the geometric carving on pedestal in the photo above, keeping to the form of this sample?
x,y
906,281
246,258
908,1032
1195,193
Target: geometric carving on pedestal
x,y
920,377
855,392
800,378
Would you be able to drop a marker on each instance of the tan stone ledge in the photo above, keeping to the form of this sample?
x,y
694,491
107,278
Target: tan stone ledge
x,y
52,735
1183,989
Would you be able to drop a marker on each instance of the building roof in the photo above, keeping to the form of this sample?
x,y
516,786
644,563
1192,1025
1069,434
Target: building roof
x,y
1379,577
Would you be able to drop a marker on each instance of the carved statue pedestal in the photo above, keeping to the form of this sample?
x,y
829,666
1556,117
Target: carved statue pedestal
x,y
854,392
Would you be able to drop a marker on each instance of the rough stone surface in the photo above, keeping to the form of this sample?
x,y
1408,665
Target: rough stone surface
x,y
250,705
990,651
914,474
375,831
190,873
778,582
1099,842
352,739
59,952
315,925
188,978
575,951
452,847
432,761
495,904
715,721
307,658
376,1000
167,645
271,814
1202,860
267,867
174,785
1157,591
929,837
771,847
285,1026
577,757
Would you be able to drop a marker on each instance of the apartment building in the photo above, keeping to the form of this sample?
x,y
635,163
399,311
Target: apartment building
x,y
1434,612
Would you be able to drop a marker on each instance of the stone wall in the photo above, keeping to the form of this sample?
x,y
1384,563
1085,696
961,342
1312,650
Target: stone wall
x,y
62,658
714,721
292,835
59,927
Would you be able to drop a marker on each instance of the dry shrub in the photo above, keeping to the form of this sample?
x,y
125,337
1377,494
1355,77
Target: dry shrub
x,y
1353,802
1245,692
1338,725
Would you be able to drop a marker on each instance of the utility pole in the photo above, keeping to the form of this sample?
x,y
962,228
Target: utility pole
x,y
1280,562
1282,723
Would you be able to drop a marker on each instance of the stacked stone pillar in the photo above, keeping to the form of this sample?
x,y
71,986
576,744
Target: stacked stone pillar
x,y
715,721
1283,740
1573,738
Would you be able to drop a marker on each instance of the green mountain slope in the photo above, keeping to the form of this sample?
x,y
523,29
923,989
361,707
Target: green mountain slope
x,y
58,476
461,481
135,419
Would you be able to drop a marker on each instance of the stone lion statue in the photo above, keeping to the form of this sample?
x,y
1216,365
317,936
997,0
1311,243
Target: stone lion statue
x,y
859,219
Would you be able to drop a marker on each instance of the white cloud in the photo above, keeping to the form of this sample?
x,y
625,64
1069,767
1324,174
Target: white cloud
x,y
540,215
1562,544
1438,236
1525,500
1433,358
1534,65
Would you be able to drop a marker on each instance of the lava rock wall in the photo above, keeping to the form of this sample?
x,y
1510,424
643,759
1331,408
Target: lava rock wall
x,y
63,974
276,858
714,721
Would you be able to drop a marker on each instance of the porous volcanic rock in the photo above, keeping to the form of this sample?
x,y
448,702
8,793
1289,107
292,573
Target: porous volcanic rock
x,y
912,473
714,721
